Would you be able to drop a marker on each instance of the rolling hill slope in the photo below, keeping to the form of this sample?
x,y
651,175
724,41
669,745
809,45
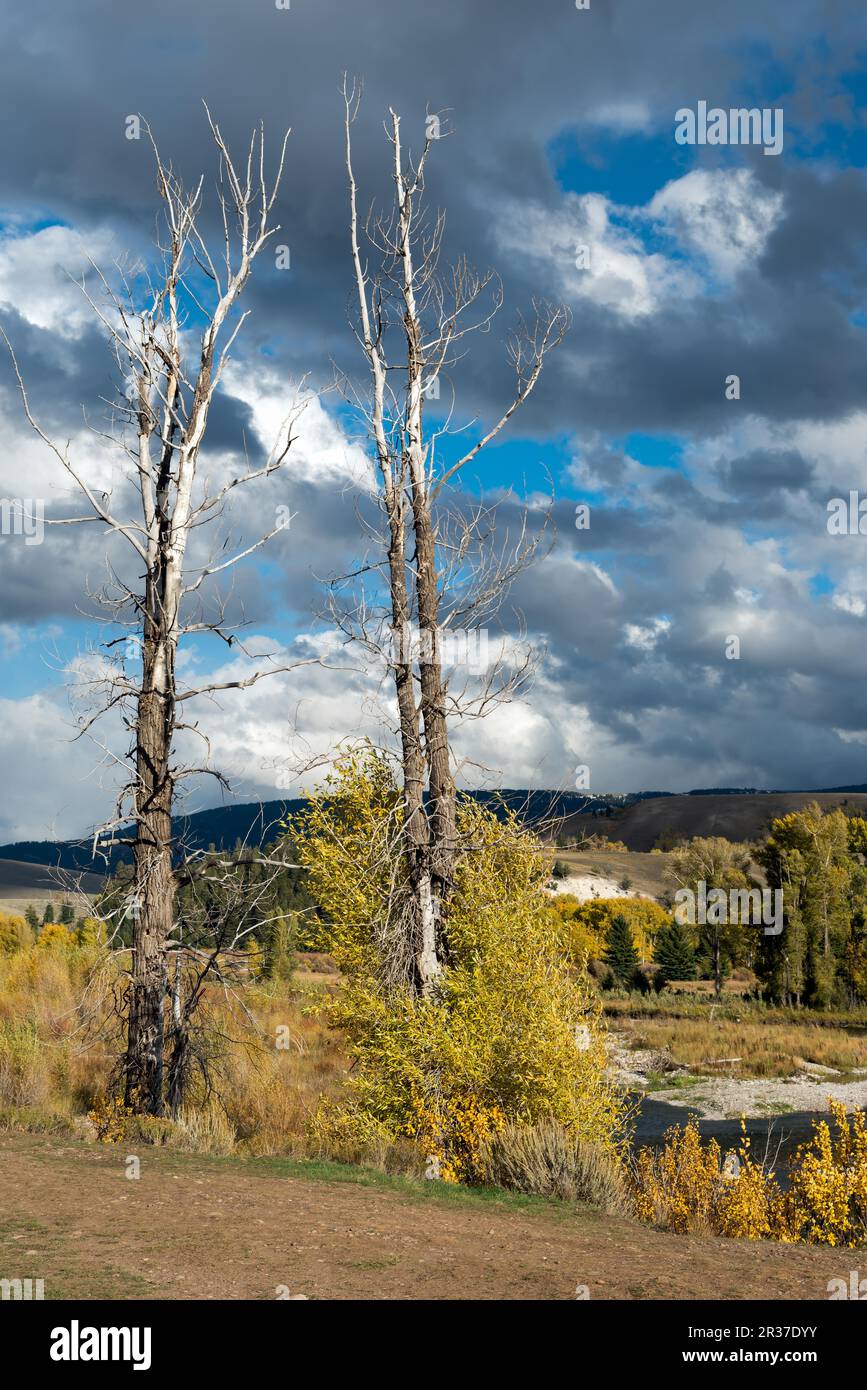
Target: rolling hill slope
x,y
737,817
639,819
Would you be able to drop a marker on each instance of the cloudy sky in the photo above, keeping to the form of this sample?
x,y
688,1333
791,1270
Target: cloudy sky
x,y
704,262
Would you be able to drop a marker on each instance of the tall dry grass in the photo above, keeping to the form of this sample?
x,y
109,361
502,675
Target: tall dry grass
x,y
765,1046
270,1058
49,1057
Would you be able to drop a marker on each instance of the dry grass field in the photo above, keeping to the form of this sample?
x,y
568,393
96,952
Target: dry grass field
x,y
765,1042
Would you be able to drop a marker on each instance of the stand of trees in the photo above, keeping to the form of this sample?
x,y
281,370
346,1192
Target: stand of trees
x,y
171,329
818,861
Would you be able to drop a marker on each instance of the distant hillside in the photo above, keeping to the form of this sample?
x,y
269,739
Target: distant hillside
x,y
221,826
52,855
258,822
20,880
639,819
736,817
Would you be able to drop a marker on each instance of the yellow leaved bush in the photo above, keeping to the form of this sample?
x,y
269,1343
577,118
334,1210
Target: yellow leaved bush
x,y
510,1035
686,1186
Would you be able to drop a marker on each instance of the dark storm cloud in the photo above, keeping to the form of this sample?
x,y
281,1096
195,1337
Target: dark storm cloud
x,y
61,378
70,382
766,469
514,77
511,81
821,237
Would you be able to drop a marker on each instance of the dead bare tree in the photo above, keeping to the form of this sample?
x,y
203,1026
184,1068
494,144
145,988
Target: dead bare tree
x,y
403,294
172,371
227,908
391,462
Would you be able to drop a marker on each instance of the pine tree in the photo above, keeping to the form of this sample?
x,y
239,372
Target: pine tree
x,y
674,954
620,952
48,914
31,917
279,956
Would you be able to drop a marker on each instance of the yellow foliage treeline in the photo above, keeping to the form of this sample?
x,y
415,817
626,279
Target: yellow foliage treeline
x,y
510,1036
685,1187
582,928
16,934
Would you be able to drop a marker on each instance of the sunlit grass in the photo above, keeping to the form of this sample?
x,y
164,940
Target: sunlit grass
x,y
766,1042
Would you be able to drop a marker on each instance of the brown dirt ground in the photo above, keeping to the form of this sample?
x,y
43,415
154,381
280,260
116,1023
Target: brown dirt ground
x,y
199,1228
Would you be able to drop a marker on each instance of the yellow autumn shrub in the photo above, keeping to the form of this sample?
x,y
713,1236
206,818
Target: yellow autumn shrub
x,y
677,1186
109,1116
15,933
54,935
750,1205
684,1186
509,1035
828,1190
